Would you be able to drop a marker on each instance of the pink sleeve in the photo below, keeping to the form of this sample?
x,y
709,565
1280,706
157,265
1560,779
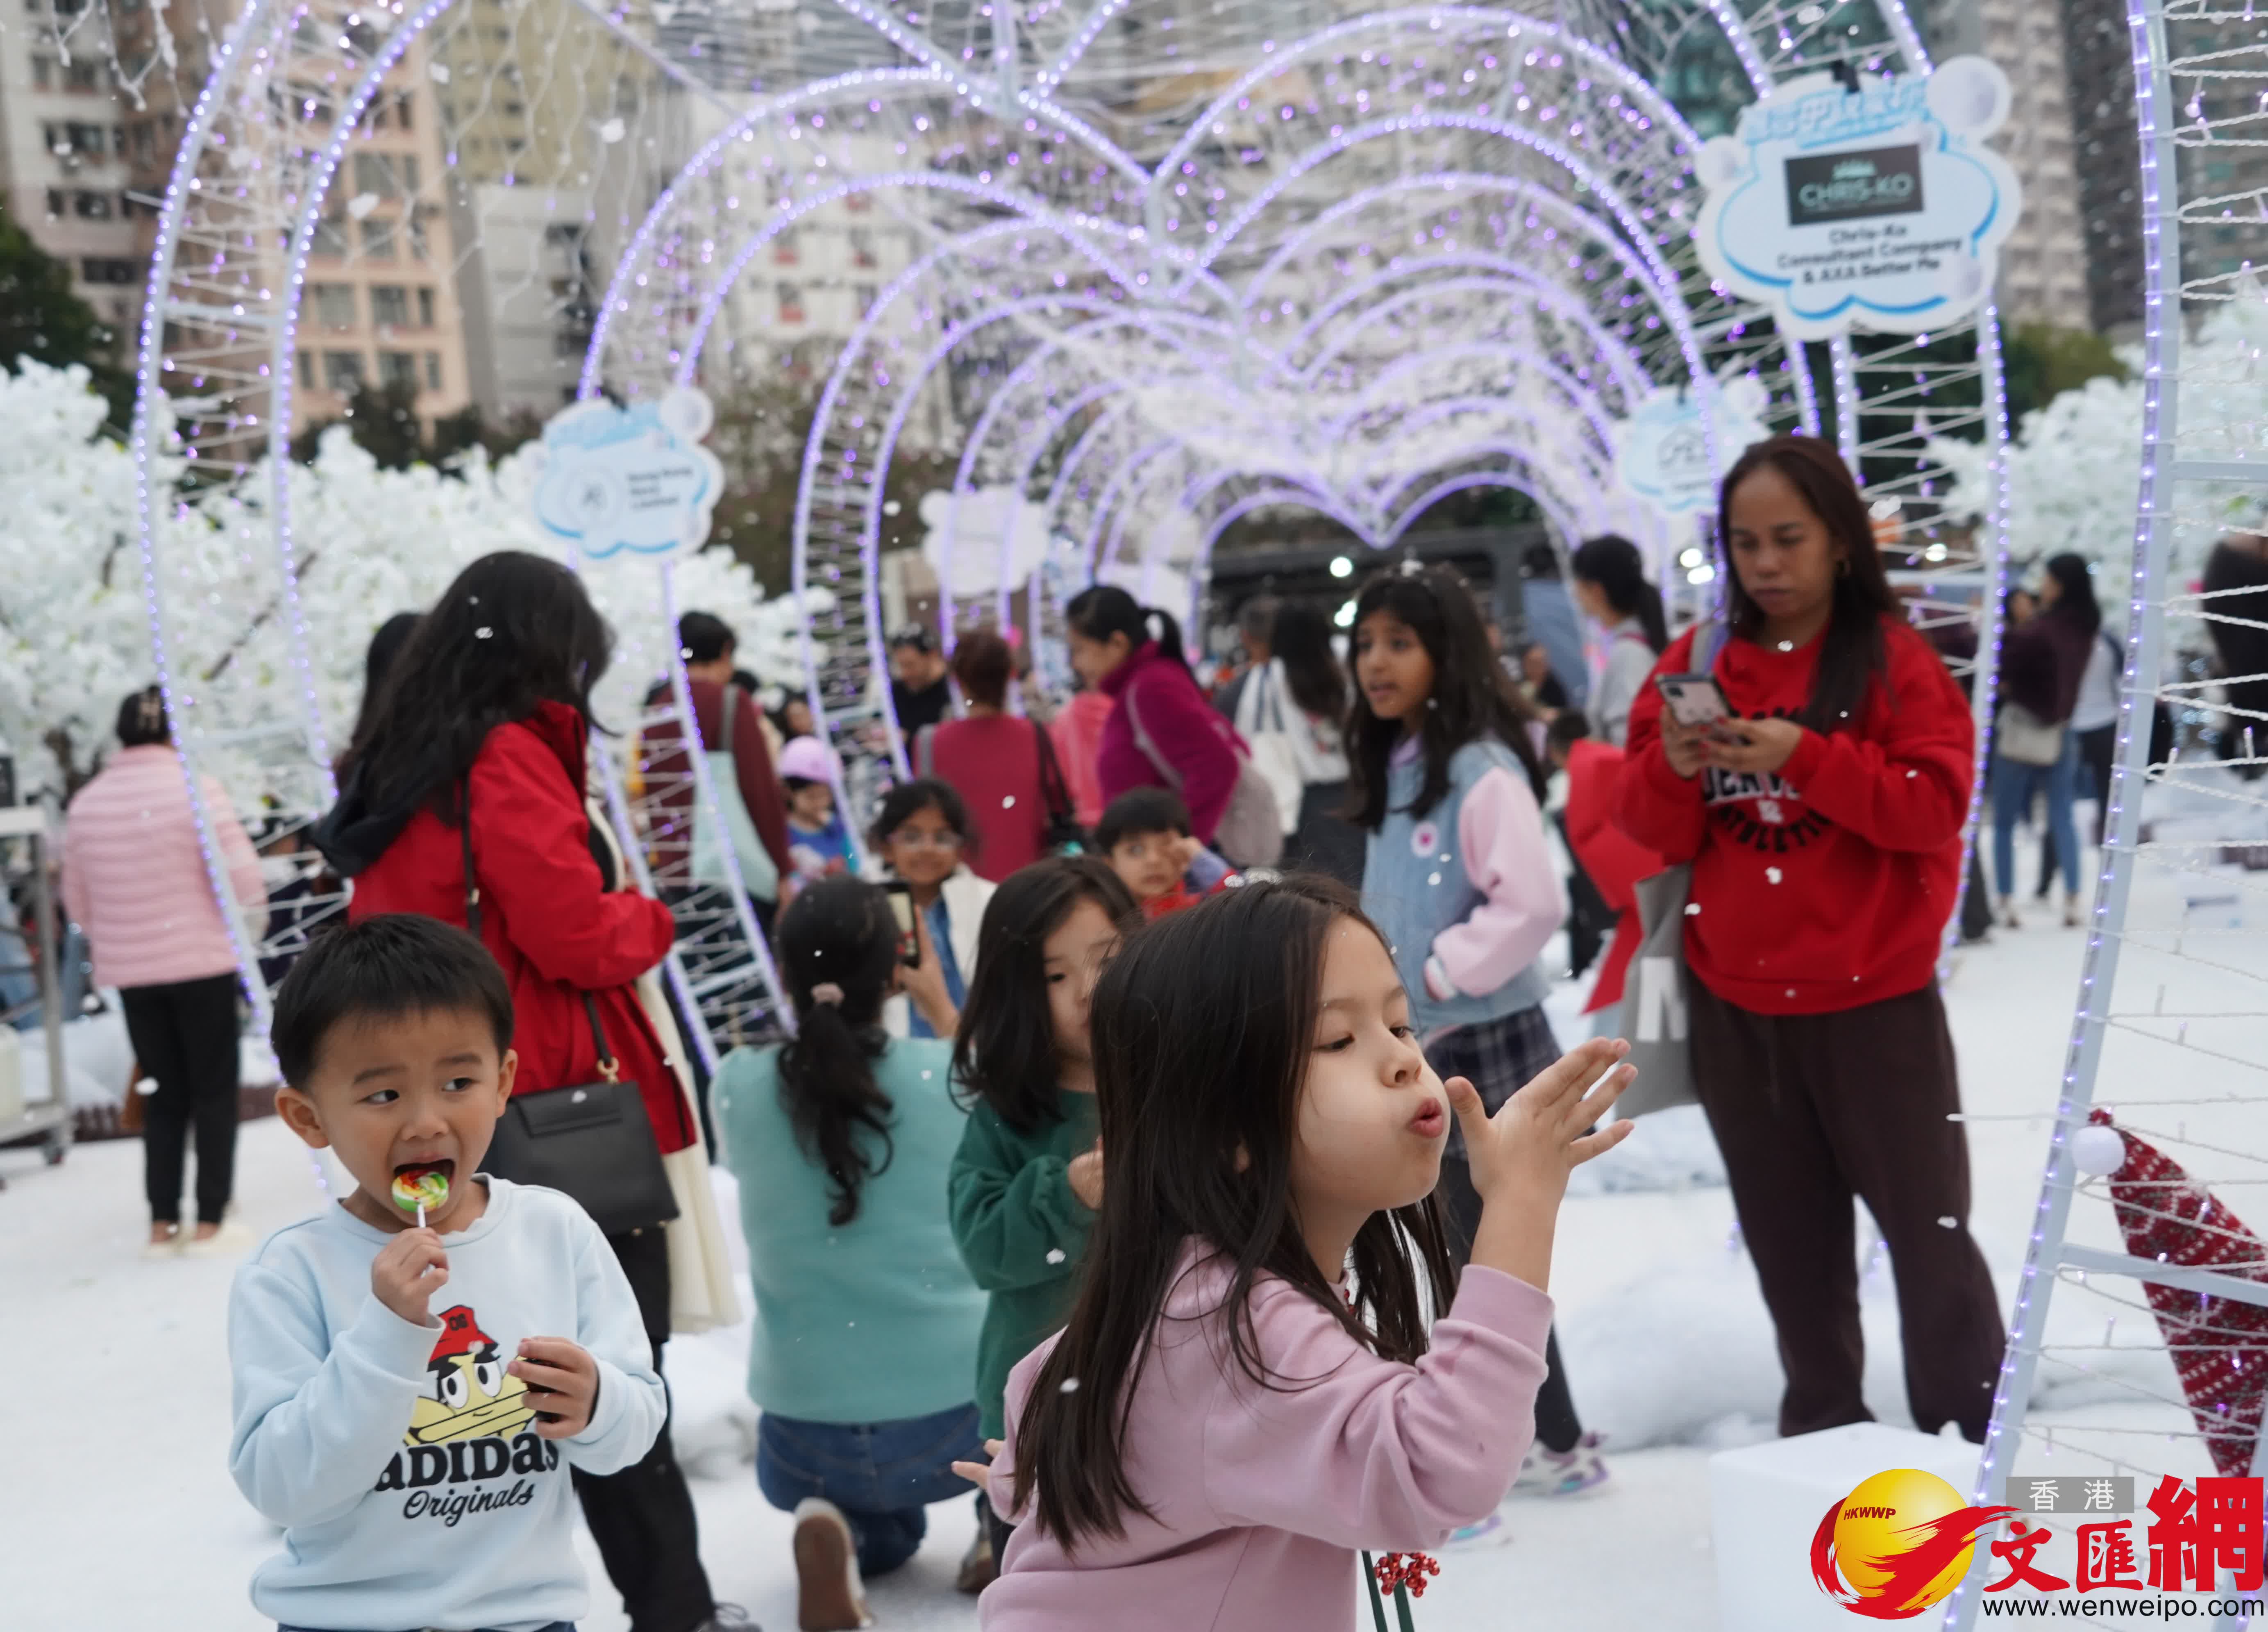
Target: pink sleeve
x,y
1379,1453
1501,833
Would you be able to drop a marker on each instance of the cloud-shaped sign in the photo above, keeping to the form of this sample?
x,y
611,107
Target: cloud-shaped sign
x,y
1661,455
629,480
1880,206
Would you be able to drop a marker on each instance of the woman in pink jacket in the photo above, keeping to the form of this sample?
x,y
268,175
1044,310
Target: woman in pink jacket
x,y
135,881
1247,1393
1163,732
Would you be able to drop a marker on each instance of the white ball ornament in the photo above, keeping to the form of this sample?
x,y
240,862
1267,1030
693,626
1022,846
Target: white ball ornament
x,y
2098,1150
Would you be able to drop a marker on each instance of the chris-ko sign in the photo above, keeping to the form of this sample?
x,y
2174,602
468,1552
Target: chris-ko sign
x,y
1854,187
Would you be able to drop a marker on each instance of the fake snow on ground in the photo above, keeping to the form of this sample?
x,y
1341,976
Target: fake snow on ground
x,y
119,1511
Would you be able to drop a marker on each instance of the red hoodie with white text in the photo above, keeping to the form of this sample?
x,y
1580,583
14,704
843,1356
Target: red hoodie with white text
x,y
1827,885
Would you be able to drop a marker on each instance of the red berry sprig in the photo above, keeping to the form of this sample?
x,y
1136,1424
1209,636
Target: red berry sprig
x,y
1406,1570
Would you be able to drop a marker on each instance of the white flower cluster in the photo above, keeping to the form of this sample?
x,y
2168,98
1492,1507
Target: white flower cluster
x,y
74,629
2074,466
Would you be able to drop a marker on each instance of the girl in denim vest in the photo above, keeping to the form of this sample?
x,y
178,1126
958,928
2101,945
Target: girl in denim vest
x,y
1458,876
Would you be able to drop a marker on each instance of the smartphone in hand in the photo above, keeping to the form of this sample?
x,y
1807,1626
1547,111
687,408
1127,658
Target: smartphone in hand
x,y
1695,701
901,907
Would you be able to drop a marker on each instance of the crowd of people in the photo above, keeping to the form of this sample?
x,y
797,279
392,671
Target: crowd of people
x,y
1169,1017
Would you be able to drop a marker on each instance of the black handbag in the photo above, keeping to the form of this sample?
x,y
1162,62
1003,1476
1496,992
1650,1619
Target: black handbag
x,y
594,1141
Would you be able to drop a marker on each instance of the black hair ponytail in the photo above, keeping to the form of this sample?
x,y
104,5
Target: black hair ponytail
x,y
1613,563
838,946
1101,610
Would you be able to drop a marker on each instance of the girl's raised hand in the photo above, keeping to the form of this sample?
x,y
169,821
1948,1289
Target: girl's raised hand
x,y
1521,1156
976,1472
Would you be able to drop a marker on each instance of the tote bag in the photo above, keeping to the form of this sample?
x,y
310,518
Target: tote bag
x,y
1275,753
1656,1018
759,874
1251,830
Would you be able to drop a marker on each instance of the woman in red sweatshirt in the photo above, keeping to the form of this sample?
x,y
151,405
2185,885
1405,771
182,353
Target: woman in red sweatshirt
x,y
1823,824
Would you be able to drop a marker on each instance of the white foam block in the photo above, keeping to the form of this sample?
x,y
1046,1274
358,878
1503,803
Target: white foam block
x,y
1765,1502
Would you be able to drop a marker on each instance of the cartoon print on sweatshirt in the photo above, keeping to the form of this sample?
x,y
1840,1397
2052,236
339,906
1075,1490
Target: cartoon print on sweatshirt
x,y
472,1422
1757,807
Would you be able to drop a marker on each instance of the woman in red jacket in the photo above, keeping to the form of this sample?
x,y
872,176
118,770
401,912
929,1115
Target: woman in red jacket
x,y
1164,732
481,731
1823,823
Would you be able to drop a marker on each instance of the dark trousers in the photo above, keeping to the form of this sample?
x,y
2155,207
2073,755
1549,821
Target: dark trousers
x,y
642,1517
1809,1111
1557,1426
184,1035
1589,917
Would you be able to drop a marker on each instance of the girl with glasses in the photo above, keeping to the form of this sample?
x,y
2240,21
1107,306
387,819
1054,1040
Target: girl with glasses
x,y
922,836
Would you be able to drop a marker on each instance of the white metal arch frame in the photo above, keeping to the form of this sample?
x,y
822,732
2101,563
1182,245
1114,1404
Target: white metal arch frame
x,y
1018,112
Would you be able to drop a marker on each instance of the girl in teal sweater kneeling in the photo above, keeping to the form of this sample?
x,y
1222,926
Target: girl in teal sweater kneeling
x,y
866,1335
1028,1176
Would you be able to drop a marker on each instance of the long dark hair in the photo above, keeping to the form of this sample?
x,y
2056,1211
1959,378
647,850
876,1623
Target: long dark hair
x,y
1300,639
1101,610
1850,657
1613,563
2075,601
515,631
1006,1052
839,932
378,662
1473,698
1202,1028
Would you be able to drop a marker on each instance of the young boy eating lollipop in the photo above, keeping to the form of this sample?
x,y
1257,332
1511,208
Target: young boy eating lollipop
x,y
411,1363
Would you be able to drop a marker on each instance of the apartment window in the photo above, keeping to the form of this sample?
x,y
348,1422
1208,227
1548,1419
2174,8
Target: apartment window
x,y
864,295
43,73
55,203
330,237
81,75
397,368
307,371
342,371
335,305
432,371
81,138
373,175
92,206
862,245
108,269
418,247
791,303
424,308
378,238
859,204
785,251
402,108
390,303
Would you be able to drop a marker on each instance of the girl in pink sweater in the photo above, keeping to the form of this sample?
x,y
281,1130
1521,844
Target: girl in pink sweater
x,y
1247,1393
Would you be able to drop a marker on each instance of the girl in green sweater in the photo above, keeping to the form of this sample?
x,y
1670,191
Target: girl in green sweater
x,y
1028,1176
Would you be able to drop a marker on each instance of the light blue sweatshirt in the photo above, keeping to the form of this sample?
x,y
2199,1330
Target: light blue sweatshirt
x,y
401,1461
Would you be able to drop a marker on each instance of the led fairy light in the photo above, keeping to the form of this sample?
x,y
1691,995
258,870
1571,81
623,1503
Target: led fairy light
x,y
152,409
316,189
2153,547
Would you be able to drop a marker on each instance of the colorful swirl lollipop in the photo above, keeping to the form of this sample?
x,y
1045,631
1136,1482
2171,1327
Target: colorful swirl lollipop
x,y
419,1189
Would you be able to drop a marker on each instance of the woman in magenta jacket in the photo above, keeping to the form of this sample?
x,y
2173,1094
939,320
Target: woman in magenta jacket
x,y
1132,654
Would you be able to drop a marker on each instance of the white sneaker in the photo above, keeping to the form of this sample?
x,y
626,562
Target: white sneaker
x,y
169,1247
2008,918
2071,916
1563,1472
830,1596
230,1240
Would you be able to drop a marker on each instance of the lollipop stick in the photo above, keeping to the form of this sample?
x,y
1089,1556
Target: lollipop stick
x,y
421,1215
